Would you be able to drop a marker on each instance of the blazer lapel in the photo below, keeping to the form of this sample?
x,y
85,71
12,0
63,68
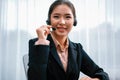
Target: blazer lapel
x,y
55,55
72,57
72,51
53,51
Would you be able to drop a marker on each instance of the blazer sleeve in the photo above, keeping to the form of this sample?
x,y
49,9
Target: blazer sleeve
x,y
38,59
89,67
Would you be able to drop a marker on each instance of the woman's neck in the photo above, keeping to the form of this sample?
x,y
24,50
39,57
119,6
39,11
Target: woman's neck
x,y
60,39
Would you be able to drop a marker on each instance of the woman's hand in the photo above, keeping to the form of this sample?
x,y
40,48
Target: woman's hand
x,y
42,33
88,78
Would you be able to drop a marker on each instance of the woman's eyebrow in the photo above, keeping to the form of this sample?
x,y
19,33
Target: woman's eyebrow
x,y
59,14
68,14
56,14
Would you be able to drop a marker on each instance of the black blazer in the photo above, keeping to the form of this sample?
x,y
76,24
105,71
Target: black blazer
x,y
45,64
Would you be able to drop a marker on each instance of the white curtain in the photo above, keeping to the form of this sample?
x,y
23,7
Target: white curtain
x,y
98,30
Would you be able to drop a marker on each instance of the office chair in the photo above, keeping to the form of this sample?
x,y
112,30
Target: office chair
x,y
25,63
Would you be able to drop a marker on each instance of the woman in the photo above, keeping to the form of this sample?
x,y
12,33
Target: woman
x,y
52,56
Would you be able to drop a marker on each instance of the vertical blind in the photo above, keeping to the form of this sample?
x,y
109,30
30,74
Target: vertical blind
x,y
98,30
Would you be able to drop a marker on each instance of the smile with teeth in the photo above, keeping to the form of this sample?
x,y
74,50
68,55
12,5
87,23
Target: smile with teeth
x,y
61,28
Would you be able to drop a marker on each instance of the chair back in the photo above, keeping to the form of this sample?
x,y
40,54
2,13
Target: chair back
x,y
25,63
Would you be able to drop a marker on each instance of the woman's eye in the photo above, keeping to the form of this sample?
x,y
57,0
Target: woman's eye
x,y
68,17
56,17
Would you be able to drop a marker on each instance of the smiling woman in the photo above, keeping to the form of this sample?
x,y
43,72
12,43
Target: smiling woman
x,y
53,52
98,30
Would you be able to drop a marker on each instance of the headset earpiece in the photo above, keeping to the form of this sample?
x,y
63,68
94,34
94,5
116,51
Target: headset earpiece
x,y
75,22
48,22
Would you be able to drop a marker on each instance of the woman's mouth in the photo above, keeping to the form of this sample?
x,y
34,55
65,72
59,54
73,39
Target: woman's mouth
x,y
61,29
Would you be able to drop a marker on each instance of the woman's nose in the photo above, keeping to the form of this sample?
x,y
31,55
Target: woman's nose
x,y
62,21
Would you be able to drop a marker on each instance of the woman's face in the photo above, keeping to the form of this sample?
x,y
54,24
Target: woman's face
x,y
62,19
